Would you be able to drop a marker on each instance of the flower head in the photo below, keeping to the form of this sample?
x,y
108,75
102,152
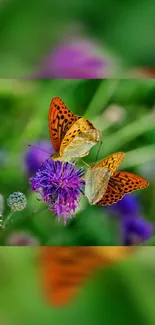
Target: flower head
x,y
76,58
17,201
60,185
136,230
35,157
22,238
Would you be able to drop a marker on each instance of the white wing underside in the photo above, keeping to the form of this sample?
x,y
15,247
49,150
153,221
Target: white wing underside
x,y
81,144
96,182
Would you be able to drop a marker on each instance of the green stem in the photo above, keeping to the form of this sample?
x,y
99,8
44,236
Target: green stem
x,y
128,133
7,219
101,98
139,156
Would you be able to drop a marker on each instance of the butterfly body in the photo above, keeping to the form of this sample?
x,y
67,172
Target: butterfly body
x,y
115,185
72,136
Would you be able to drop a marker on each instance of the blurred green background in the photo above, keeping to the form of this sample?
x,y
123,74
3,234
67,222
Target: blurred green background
x,y
122,294
30,30
123,109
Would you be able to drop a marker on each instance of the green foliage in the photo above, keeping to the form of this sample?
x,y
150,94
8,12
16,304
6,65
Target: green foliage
x,y
122,294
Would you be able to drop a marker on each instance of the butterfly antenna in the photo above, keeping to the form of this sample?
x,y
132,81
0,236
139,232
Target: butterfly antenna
x,y
98,151
29,145
85,163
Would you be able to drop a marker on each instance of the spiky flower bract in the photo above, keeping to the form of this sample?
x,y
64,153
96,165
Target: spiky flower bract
x,y
60,185
17,201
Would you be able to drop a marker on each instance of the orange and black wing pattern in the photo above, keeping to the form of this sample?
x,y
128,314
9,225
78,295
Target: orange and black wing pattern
x,y
120,184
60,120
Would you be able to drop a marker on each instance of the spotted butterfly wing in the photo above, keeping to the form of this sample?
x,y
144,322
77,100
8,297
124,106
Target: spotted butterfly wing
x,y
120,184
60,119
79,139
72,136
64,270
111,162
97,176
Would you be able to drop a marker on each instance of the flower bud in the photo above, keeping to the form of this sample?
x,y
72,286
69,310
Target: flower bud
x,y
17,201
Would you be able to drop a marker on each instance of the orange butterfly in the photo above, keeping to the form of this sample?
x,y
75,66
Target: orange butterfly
x,y
72,136
106,186
63,270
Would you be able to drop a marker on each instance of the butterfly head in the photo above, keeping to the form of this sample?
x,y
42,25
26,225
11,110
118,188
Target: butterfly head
x,y
56,156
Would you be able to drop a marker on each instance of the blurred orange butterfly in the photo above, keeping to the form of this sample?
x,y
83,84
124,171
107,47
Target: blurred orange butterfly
x,y
72,136
106,186
65,269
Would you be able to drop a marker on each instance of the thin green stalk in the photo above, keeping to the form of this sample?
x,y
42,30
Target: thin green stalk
x,y
139,156
104,92
128,133
7,219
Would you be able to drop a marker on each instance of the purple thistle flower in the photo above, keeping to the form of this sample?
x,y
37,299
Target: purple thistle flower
x,y
35,157
136,230
60,185
74,59
129,205
22,238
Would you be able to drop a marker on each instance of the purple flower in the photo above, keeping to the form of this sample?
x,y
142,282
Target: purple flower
x,y
75,59
35,157
136,230
22,238
129,205
59,184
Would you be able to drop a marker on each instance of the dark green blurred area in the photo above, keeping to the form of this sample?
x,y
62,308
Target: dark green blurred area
x,y
122,294
29,30
123,109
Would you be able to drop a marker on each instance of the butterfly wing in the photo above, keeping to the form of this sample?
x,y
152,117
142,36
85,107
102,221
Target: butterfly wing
x,y
113,254
60,119
111,162
98,176
64,270
96,182
79,139
120,184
